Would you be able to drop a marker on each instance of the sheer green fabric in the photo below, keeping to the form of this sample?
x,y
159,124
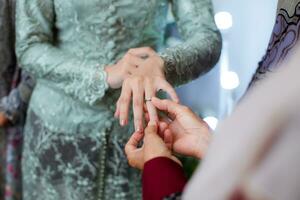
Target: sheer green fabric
x,y
73,146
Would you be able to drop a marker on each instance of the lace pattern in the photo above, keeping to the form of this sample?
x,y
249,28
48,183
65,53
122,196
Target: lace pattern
x,y
65,45
64,166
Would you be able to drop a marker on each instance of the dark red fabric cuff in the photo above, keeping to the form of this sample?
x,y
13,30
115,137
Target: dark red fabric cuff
x,y
162,177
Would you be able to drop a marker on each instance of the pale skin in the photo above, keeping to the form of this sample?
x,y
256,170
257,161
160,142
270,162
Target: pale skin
x,y
140,73
182,132
153,147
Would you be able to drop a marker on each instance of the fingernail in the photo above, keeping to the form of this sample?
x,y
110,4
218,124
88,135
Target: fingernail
x,y
123,122
138,128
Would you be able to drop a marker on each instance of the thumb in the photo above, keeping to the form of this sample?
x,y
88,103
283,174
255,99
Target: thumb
x,y
151,128
133,142
171,107
154,146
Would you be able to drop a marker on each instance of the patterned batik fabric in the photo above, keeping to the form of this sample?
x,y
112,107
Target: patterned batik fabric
x,y
283,39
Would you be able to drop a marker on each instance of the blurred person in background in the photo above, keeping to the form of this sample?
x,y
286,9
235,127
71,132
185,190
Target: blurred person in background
x,y
13,109
15,91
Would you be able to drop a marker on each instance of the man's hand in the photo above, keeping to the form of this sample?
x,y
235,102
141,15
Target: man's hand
x,y
191,135
153,147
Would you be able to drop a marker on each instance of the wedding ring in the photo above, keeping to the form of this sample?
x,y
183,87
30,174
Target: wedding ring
x,y
148,99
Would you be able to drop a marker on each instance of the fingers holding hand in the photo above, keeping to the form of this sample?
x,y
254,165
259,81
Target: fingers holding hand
x,y
138,88
168,106
154,146
172,108
168,88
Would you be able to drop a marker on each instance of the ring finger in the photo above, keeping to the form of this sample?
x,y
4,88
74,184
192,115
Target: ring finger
x,y
149,93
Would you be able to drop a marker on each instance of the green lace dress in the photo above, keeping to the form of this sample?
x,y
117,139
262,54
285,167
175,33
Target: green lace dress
x,y
73,148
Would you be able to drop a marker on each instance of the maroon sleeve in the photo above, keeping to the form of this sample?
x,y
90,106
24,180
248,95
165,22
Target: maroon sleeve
x,y
162,177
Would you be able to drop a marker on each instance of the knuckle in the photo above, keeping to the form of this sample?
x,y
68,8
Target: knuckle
x,y
126,59
147,80
165,101
126,82
125,63
131,51
127,56
138,80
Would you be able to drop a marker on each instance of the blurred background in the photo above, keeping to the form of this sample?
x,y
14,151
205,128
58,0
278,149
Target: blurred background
x,y
246,28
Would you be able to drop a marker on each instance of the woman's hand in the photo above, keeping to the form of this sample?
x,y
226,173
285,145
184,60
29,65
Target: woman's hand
x,y
191,135
3,120
125,67
153,146
141,85
133,62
